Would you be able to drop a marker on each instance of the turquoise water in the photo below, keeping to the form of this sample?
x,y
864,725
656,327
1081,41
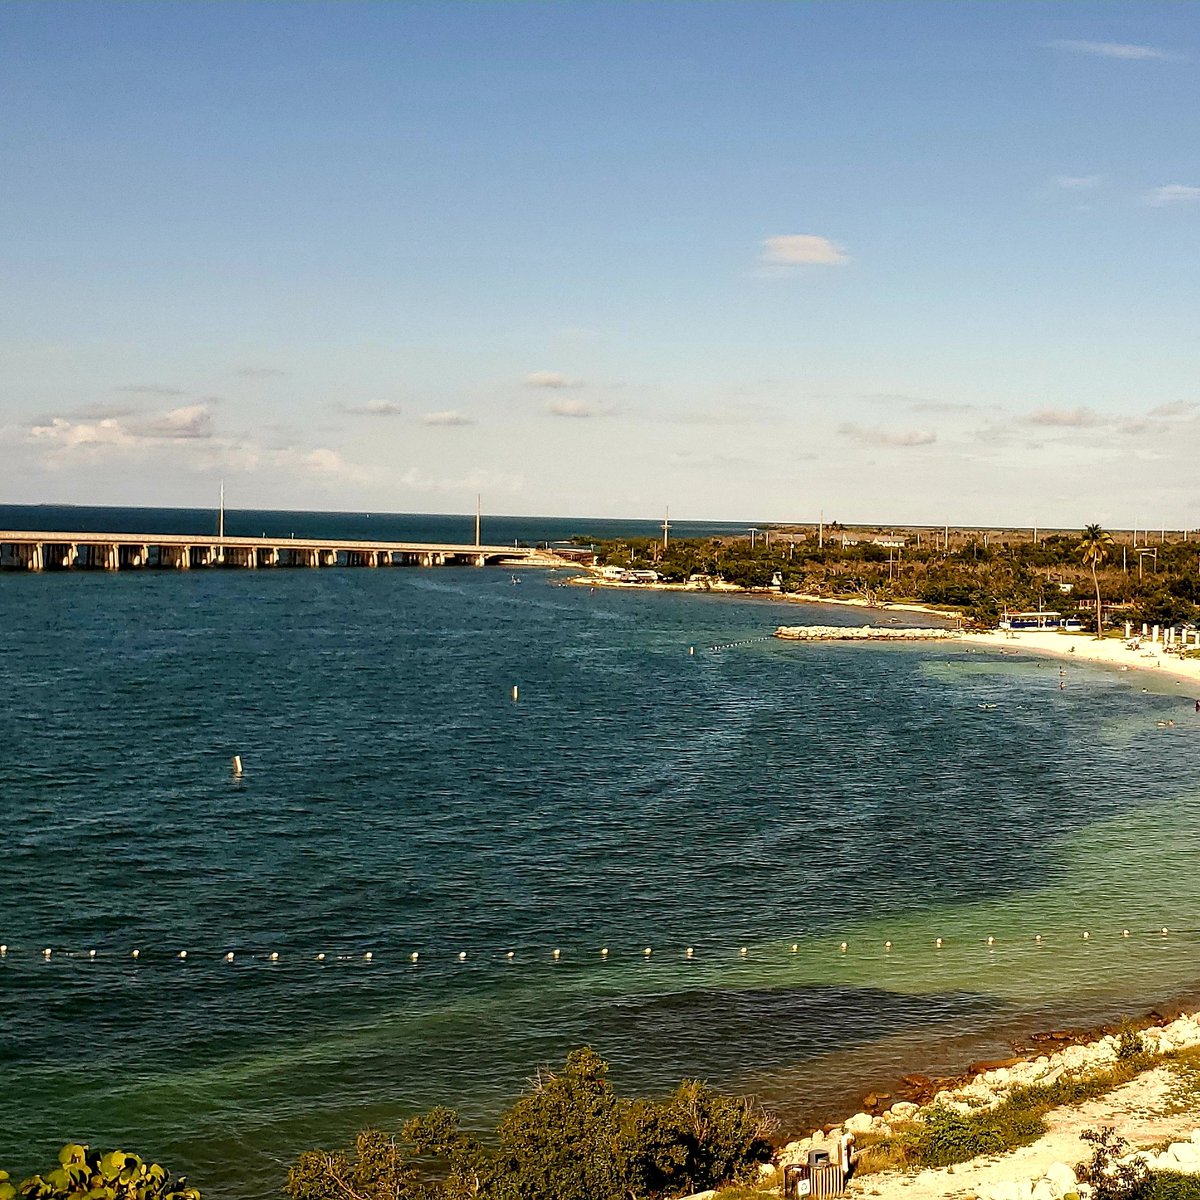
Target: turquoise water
x,y
396,799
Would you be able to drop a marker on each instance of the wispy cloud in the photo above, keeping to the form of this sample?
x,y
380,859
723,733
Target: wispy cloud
x,y
479,481
1078,183
374,408
1125,50
1172,193
874,436
801,249
572,408
150,389
320,462
551,379
260,372
180,424
1064,418
1176,408
450,417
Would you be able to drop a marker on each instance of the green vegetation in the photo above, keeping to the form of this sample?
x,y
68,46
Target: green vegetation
x,y
947,1136
84,1172
571,1138
980,575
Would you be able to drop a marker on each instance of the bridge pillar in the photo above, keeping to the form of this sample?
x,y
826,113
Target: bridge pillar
x,y
268,556
480,560
58,556
327,558
132,557
31,556
178,558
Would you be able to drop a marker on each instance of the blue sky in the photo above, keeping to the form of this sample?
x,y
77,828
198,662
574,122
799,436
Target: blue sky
x,y
894,261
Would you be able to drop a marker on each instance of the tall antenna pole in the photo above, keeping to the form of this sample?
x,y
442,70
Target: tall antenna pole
x,y
667,527
477,502
221,516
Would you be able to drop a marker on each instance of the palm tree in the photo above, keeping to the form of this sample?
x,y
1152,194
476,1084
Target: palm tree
x,y
1095,545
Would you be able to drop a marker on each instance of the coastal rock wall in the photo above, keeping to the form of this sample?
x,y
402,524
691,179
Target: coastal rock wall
x,y
860,633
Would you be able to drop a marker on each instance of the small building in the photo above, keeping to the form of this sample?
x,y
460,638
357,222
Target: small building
x,y
642,576
613,572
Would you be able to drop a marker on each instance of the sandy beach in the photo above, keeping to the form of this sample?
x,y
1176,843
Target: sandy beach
x,y
1111,652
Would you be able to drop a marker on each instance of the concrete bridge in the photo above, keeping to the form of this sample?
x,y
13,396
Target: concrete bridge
x,y
42,551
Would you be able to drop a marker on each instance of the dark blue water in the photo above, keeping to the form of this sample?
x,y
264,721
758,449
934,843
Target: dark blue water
x,y
397,800
382,527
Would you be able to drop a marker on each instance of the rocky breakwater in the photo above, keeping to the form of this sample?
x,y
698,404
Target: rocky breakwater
x,y
1054,1157
860,633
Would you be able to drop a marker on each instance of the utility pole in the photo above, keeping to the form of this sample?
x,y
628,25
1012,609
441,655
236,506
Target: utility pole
x,y
477,513
753,532
667,527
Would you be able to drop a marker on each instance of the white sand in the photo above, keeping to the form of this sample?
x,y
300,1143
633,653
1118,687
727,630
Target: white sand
x,y
1111,652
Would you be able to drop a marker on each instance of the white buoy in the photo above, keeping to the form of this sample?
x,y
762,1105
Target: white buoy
x,y
647,952
91,954
183,954
1165,929
991,941
515,692
688,952
229,956
1124,932
274,955
887,945
462,956
844,947
938,943
3,949
795,947
237,764
1086,935
604,952
46,953
321,956
368,956
414,956
136,954
510,955
743,952
557,954
1037,937
691,651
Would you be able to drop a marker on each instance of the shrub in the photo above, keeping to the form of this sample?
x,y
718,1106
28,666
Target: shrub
x,y
947,1137
1172,1185
1131,1044
82,1171
572,1137
1108,1178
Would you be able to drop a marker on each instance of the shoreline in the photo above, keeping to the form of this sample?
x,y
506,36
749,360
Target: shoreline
x,y
734,589
1143,1106
1084,648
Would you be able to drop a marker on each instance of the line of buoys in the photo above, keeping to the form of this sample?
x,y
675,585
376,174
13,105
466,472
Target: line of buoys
x,y
556,953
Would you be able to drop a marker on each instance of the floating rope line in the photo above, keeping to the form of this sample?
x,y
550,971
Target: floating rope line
x,y
10,952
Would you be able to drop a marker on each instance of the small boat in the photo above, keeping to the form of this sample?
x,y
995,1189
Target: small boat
x,y
516,579
987,707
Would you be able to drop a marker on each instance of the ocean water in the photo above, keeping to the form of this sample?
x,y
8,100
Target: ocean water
x,y
396,799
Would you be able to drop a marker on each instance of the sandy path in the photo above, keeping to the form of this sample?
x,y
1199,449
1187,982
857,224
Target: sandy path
x,y
1138,1110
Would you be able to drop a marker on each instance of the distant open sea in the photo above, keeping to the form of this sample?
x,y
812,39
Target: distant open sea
x,y
771,797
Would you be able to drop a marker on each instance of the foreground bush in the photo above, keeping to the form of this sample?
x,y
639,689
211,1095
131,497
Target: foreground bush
x,y
84,1172
571,1138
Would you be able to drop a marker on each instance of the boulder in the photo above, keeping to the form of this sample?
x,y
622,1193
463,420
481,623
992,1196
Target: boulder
x,y
1061,1178
1044,1190
859,1123
905,1110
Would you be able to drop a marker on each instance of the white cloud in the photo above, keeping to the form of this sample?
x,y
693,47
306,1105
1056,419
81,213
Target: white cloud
x,y
801,249
884,437
480,481
260,372
375,408
571,408
192,421
1176,408
1124,50
1078,183
1172,193
66,433
321,462
1064,418
450,417
150,389
551,379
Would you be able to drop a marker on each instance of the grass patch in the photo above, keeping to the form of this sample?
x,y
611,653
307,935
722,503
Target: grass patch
x,y
947,1136
1171,1185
